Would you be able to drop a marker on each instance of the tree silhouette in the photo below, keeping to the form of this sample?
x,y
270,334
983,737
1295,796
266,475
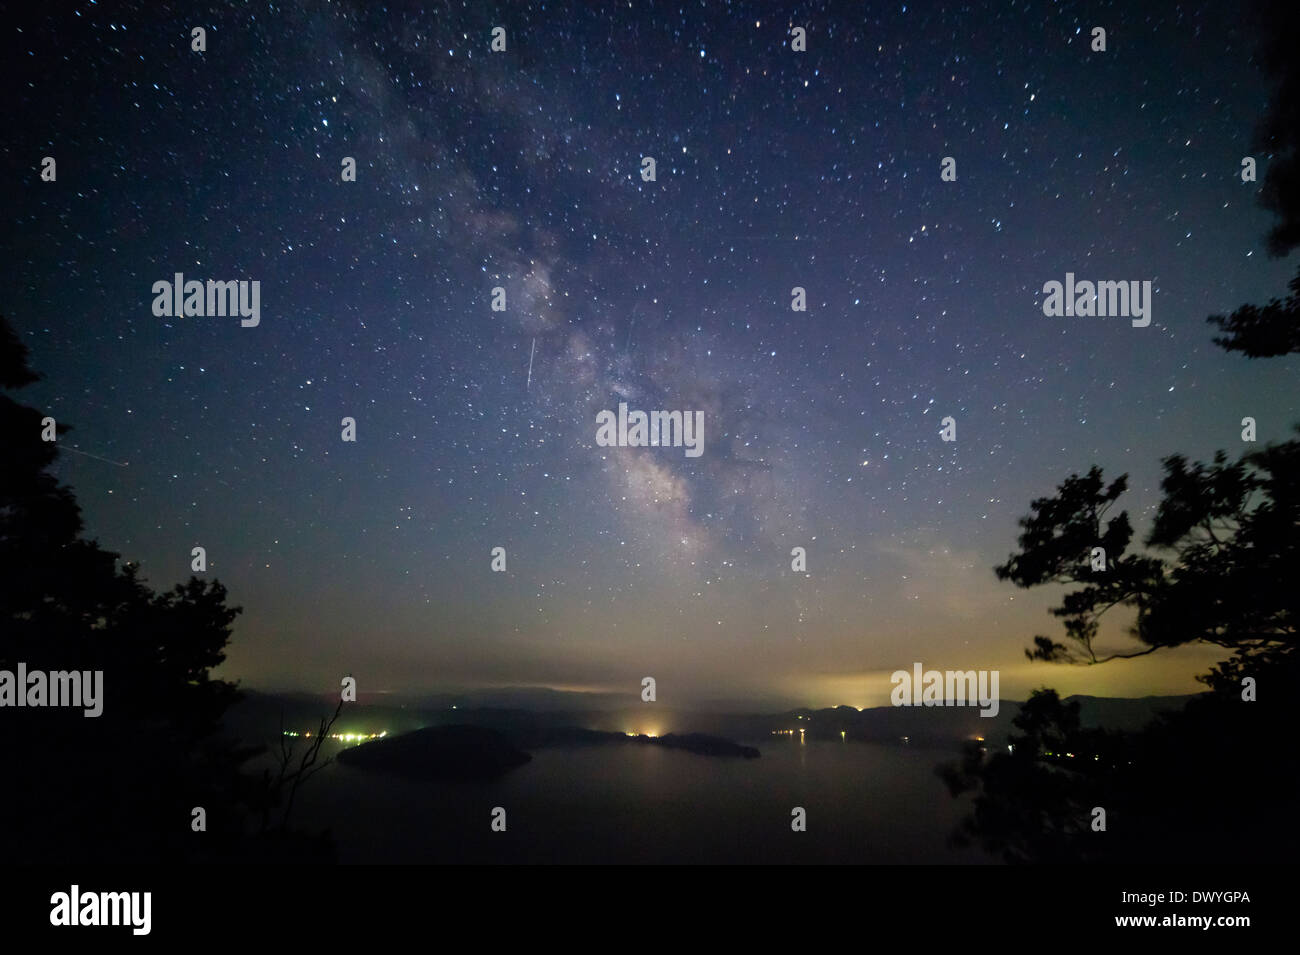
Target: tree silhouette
x,y
1274,329
1231,533
1034,803
282,787
122,786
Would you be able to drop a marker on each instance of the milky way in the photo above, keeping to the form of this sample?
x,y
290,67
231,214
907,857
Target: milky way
x,y
521,170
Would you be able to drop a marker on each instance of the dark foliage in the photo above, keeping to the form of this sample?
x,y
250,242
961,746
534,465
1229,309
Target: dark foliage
x,y
120,787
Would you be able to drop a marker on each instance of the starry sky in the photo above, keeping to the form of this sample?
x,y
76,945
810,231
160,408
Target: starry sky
x,y
521,170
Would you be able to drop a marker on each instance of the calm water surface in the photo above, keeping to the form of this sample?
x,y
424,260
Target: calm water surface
x,y
866,803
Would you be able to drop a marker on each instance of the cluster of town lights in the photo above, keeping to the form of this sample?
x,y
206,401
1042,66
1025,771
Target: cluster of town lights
x,y
343,737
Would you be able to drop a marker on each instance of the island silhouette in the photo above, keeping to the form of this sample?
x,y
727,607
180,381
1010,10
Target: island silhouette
x,y
462,752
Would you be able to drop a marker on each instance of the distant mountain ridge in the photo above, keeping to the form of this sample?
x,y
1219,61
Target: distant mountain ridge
x,y
258,717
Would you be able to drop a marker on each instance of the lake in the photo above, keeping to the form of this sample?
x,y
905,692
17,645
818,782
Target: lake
x,y
865,803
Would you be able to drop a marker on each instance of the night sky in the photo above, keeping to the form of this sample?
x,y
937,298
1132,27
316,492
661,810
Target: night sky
x,y
521,169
